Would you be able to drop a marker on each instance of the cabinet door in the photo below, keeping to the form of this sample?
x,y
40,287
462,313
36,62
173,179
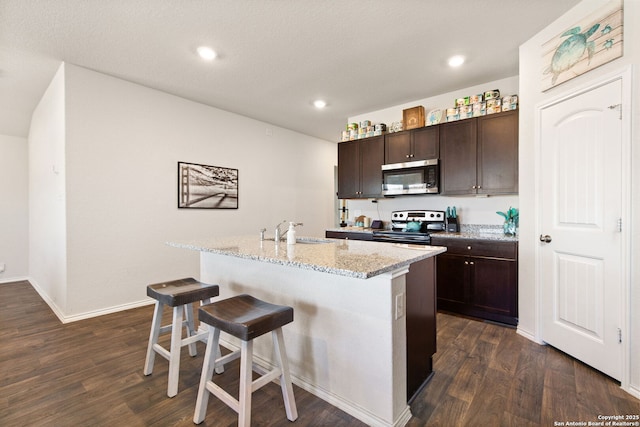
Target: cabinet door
x,y
458,153
371,161
397,147
348,170
493,288
426,143
498,153
453,276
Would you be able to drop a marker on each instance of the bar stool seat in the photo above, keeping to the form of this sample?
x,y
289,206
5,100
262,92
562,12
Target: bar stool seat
x,y
246,318
179,294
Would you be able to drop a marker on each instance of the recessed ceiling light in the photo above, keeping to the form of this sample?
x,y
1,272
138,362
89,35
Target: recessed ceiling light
x,y
207,53
456,61
319,103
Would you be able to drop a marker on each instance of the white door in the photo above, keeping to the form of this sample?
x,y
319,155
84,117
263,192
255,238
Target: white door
x,y
581,243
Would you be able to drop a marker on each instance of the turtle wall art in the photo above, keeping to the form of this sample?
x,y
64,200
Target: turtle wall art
x,y
588,44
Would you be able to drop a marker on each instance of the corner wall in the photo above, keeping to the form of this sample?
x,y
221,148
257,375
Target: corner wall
x,y
47,194
531,96
14,208
122,145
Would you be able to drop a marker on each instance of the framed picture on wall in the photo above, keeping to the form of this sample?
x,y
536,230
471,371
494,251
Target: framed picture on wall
x,y
588,44
207,187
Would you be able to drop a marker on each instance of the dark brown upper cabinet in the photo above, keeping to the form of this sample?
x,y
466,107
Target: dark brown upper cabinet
x,y
359,168
411,145
480,155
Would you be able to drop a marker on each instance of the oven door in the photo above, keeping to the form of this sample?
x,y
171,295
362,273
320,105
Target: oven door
x,y
419,177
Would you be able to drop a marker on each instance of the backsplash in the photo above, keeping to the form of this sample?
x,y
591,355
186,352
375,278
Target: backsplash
x,y
470,210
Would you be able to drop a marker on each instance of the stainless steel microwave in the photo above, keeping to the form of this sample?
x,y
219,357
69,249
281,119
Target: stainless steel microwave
x,y
418,177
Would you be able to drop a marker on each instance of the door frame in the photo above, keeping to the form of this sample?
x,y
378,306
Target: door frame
x,y
623,74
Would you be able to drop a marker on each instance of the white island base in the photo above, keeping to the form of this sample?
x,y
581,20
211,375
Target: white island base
x,y
347,343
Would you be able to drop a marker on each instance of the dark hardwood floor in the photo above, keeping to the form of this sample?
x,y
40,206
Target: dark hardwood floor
x,y
89,373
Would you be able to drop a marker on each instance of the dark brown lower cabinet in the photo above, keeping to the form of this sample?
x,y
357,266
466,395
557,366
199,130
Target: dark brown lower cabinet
x,y
478,278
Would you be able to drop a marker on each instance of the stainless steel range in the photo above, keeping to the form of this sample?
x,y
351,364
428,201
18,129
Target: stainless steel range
x,y
413,227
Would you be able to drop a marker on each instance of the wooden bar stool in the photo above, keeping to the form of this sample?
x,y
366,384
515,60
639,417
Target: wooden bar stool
x,y
246,318
178,294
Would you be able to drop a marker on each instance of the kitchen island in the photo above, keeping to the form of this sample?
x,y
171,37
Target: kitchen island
x,y
347,344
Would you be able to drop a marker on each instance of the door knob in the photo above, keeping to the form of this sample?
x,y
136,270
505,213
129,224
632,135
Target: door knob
x,y
545,239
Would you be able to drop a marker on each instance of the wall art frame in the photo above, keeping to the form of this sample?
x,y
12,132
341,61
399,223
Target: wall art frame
x,y
207,187
594,41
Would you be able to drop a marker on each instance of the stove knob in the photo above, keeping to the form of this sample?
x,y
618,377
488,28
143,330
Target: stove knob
x,y
432,215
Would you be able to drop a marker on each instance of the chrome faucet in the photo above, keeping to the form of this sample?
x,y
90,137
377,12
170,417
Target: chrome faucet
x,y
278,233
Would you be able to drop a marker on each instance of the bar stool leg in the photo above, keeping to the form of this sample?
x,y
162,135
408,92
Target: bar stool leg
x,y
156,325
285,378
246,369
176,344
191,329
219,369
202,400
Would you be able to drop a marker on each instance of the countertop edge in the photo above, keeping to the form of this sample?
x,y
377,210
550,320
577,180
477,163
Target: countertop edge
x,y
432,252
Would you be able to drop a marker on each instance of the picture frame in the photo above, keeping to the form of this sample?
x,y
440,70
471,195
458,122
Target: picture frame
x,y
207,187
590,43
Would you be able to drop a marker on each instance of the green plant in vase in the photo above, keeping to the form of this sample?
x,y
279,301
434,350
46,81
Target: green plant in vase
x,y
510,221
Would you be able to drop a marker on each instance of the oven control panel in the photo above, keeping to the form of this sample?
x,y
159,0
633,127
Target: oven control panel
x,y
418,215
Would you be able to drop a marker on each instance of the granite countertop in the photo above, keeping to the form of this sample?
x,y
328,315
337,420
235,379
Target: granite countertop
x,y
479,231
467,231
352,258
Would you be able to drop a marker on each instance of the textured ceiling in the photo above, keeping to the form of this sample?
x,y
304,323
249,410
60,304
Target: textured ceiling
x,y
276,56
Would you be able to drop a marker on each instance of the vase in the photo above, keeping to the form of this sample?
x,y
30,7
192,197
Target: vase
x,y
509,228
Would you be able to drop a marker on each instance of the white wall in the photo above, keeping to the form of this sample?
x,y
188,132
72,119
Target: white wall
x,y
14,208
530,96
471,210
123,142
47,222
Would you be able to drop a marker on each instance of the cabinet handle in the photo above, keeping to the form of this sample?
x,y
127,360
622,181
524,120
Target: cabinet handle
x,y
479,187
474,187
411,155
472,263
408,156
466,263
469,247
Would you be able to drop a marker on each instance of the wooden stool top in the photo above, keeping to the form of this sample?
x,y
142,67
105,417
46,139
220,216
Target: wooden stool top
x,y
245,317
182,291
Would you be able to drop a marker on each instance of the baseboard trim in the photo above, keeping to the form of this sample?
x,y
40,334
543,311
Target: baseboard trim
x,y
13,279
89,314
528,335
108,310
633,391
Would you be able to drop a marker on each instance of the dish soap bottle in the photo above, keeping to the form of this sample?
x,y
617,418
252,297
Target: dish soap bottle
x,y
291,234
